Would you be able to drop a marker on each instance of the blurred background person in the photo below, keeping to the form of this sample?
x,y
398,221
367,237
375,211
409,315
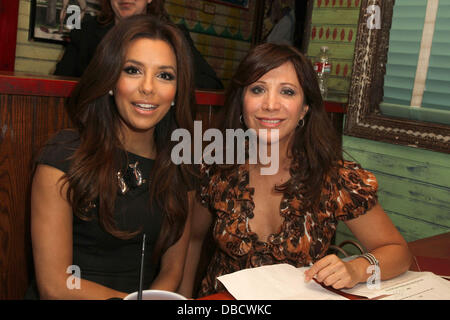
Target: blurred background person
x,y
83,42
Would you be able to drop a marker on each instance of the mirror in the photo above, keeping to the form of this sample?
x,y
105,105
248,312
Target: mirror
x,y
364,118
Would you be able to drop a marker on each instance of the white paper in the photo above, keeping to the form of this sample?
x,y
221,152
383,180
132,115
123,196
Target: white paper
x,y
275,282
408,286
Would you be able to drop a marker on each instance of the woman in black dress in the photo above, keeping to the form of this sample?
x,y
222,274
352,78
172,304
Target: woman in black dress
x,y
98,188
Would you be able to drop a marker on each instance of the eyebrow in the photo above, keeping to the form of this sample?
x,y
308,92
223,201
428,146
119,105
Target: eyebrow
x,y
288,83
161,67
283,83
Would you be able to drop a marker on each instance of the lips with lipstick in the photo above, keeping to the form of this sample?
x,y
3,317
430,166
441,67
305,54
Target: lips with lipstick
x,y
125,4
270,122
145,106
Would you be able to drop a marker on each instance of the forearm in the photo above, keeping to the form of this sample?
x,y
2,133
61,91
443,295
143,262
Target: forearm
x,y
394,259
377,233
81,290
190,269
172,264
167,280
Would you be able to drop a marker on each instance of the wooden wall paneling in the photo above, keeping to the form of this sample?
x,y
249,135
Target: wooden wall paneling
x,y
414,186
26,123
410,229
396,186
49,117
403,166
16,125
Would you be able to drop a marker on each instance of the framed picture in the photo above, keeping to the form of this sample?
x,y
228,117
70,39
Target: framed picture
x,y
282,21
52,20
235,3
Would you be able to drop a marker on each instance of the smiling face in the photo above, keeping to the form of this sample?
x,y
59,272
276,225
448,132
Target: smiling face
x,y
275,101
146,87
127,8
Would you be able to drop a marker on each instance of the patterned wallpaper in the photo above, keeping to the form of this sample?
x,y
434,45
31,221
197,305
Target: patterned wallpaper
x,y
222,33
334,24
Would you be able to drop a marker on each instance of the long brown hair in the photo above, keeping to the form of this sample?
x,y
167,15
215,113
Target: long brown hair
x,y
154,8
315,149
94,166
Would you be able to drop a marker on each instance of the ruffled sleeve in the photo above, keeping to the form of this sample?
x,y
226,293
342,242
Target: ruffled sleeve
x,y
355,192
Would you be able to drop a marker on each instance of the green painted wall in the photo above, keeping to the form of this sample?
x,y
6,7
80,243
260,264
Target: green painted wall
x,y
414,186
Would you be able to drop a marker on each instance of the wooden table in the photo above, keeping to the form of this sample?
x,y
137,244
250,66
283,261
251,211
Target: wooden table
x,y
436,246
432,254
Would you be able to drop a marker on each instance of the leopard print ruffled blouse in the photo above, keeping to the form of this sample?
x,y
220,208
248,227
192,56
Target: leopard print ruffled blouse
x,y
303,238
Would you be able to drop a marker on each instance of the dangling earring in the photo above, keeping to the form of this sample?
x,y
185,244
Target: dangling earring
x,y
241,119
301,123
172,104
111,93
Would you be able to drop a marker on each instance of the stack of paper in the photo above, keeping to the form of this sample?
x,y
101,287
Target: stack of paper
x,y
408,286
275,282
285,282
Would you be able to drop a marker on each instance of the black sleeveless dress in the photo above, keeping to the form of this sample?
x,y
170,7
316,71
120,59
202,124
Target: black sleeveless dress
x,y
101,257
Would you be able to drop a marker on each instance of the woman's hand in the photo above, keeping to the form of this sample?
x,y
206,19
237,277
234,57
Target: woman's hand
x,y
332,271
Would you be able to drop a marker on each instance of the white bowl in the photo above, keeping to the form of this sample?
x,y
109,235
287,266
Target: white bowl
x,y
156,295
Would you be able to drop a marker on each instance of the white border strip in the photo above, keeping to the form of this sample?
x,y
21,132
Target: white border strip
x,y
425,52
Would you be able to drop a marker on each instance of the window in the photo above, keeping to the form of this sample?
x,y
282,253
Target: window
x,y
417,80
370,91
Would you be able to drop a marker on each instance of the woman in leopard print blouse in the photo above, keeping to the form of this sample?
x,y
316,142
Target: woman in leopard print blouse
x,y
289,216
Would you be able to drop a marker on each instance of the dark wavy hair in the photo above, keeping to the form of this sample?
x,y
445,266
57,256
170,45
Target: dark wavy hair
x,y
154,8
92,174
315,149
